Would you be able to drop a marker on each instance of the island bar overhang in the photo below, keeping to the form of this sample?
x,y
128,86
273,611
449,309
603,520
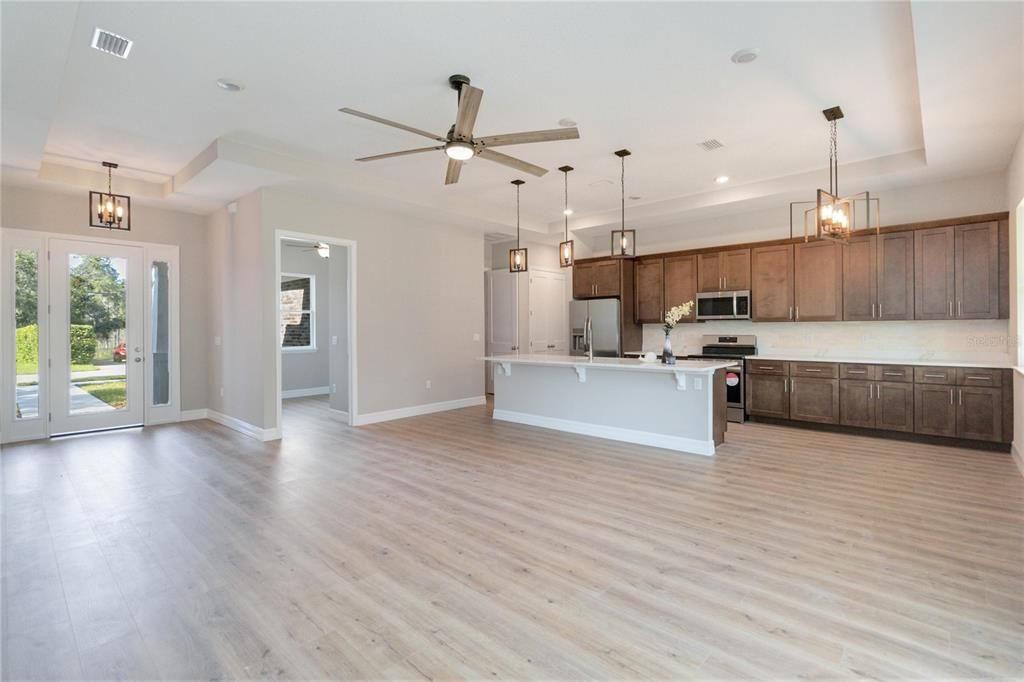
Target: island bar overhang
x,y
680,407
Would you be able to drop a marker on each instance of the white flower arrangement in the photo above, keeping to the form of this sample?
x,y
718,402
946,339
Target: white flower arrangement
x,y
673,316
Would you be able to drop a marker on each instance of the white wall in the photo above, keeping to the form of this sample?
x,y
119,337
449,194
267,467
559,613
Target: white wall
x,y
309,369
47,211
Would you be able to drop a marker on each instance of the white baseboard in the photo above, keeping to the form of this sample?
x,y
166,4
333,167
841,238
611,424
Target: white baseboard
x,y
417,410
243,427
192,415
678,443
305,392
341,413
1018,457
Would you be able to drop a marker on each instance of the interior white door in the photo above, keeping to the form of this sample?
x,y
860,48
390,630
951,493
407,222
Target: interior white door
x,y
502,306
549,327
97,346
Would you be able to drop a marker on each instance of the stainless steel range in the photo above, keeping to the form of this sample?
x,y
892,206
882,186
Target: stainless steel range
x,y
738,347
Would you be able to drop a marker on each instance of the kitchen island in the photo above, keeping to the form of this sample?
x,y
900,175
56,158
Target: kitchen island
x,y
679,407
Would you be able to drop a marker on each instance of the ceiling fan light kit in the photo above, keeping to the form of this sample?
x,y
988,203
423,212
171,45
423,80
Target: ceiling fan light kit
x,y
833,216
459,145
107,210
623,240
518,258
566,249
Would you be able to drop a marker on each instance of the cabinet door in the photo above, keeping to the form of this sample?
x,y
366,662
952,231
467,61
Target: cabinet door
x,y
736,270
583,280
976,266
649,291
607,278
709,272
818,281
768,395
860,280
896,276
771,286
681,283
894,406
549,325
814,400
979,413
933,274
857,403
934,410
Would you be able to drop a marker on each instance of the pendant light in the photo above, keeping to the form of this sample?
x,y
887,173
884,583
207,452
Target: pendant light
x,y
623,240
833,216
517,257
108,210
566,249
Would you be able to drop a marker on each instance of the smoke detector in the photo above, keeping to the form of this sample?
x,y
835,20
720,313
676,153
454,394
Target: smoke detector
x,y
111,43
710,145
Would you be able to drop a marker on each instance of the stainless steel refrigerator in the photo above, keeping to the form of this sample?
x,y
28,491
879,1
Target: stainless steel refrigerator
x,y
605,316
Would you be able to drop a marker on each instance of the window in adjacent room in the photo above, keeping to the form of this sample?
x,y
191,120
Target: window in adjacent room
x,y
298,314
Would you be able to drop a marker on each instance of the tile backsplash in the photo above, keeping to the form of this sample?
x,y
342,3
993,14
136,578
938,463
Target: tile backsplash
x,y
980,341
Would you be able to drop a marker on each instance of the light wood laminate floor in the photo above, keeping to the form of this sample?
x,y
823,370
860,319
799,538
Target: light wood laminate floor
x,y
453,546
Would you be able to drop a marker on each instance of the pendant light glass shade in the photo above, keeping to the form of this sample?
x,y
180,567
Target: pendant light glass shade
x,y
518,258
108,210
623,240
566,249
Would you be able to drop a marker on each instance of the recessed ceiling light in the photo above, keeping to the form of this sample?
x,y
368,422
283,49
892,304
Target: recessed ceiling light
x,y
745,56
567,123
722,179
229,85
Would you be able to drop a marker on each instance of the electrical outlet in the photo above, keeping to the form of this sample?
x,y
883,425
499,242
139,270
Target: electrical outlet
x,y
334,340
428,384
334,388
216,340
221,391
476,337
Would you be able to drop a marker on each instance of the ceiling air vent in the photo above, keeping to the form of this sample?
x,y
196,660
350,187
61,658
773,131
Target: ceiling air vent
x,y
710,145
111,43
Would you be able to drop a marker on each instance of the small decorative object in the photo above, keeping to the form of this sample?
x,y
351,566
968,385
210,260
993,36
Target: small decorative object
x,y
108,210
517,257
672,318
623,240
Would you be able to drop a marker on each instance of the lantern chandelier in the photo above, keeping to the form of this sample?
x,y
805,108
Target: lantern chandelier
x,y
517,257
108,210
623,240
566,248
833,216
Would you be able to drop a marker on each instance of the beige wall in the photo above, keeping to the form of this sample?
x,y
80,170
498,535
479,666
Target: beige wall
x,y
65,213
309,369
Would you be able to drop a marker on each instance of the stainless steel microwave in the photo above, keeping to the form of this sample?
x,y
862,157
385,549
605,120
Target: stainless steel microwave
x,y
723,305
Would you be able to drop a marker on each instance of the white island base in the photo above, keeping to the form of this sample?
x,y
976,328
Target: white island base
x,y
679,407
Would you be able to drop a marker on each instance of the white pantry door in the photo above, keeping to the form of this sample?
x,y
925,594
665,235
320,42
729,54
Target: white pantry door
x,y
549,312
97,301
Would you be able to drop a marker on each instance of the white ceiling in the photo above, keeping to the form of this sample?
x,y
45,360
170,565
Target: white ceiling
x,y
930,90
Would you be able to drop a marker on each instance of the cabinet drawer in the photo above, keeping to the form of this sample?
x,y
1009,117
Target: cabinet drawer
x,y
767,367
899,373
970,376
934,375
819,370
861,372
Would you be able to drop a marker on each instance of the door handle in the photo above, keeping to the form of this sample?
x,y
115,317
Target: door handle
x,y
138,359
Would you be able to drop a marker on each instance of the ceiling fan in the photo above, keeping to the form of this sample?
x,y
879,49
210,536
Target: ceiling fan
x,y
460,145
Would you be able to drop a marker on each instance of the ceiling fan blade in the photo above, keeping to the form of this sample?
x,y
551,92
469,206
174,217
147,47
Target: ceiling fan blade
x,y
469,105
402,153
532,136
452,175
511,162
393,124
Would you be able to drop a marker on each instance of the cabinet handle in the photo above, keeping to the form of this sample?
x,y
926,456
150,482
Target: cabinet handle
x,y
960,396
935,376
958,308
785,385
791,312
856,371
893,374
978,378
951,309
879,310
798,313
872,311
767,368
950,396
811,369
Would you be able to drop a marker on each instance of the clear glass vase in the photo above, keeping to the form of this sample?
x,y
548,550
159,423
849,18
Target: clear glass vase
x,y
667,357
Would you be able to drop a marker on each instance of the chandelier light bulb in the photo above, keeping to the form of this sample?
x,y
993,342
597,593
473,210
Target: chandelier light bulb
x,y
567,211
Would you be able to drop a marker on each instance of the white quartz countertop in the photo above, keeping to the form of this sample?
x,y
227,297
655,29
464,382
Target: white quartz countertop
x,y
923,362
621,364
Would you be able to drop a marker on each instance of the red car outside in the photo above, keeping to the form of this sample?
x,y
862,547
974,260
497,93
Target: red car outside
x,y
120,353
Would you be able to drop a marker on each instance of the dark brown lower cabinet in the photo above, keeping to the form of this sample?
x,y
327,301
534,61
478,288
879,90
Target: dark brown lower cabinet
x,y
814,400
857,403
894,406
768,395
979,413
935,409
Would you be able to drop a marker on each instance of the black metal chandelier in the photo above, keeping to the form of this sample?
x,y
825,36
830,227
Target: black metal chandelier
x,y
518,257
566,249
108,210
623,240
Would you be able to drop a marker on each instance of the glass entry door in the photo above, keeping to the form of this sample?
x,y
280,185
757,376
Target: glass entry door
x,y
97,347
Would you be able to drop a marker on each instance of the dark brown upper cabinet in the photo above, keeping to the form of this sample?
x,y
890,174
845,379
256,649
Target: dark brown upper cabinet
x,y
724,270
680,274
771,291
649,291
878,277
933,274
597,279
976,271
818,281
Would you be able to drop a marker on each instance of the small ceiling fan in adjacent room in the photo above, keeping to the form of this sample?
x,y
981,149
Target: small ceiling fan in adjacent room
x,y
460,145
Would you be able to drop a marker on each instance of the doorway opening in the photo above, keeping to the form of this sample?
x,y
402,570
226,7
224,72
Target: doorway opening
x,y
315,332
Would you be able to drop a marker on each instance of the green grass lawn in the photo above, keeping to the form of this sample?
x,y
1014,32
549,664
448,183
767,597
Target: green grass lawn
x,y
33,368
111,392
